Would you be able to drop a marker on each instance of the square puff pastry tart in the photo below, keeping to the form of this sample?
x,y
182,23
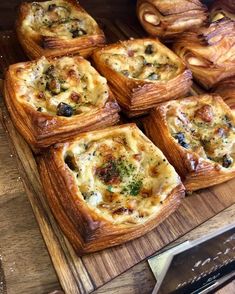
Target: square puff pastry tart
x,y
57,28
52,99
142,73
109,186
197,135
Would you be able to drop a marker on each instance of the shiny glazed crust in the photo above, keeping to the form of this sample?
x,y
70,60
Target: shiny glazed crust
x,y
209,53
226,89
137,96
42,127
86,227
222,8
168,19
195,168
37,44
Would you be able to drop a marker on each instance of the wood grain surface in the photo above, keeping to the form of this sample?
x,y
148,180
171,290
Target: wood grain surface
x,y
83,275
140,279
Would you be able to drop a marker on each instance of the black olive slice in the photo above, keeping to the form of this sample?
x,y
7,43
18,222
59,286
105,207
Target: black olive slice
x,y
64,109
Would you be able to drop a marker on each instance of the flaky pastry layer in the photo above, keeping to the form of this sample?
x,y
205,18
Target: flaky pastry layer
x,y
110,186
142,73
222,9
57,28
168,19
226,89
53,99
209,52
197,135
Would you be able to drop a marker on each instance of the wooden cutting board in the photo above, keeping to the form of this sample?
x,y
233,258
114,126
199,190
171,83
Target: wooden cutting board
x,y
83,275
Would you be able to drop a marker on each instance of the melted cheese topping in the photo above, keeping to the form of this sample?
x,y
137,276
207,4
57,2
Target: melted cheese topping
x,y
204,127
141,60
65,86
121,175
58,19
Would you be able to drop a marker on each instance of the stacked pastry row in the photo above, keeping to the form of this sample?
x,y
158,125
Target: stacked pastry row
x,y
109,184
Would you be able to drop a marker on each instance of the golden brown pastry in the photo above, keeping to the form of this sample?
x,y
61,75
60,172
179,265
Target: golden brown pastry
x,y
169,18
209,53
57,28
52,99
197,135
226,89
221,9
142,73
109,186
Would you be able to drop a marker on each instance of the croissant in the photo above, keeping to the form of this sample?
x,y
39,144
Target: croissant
x,y
109,186
142,73
210,52
51,100
221,9
197,136
169,18
57,28
226,89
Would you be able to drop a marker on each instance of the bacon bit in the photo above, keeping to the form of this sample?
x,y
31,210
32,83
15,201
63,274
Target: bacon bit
x,y
141,147
154,171
137,156
72,73
75,97
130,53
121,210
145,193
108,173
41,95
205,113
132,204
110,197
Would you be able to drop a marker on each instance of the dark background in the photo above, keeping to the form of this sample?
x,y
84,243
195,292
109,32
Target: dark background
x,y
8,10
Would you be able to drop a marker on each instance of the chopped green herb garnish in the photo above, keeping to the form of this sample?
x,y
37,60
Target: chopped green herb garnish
x,y
135,187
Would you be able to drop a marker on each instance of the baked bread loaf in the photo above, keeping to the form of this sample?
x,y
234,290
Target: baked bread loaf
x,y
109,186
57,28
197,135
210,52
50,100
226,89
221,9
167,19
142,73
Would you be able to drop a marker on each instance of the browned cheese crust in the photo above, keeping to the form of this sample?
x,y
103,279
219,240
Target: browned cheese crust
x,y
197,135
51,100
109,186
57,28
142,73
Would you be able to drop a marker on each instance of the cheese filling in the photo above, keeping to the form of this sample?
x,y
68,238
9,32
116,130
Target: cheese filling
x,y
205,128
58,19
64,87
121,176
141,61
